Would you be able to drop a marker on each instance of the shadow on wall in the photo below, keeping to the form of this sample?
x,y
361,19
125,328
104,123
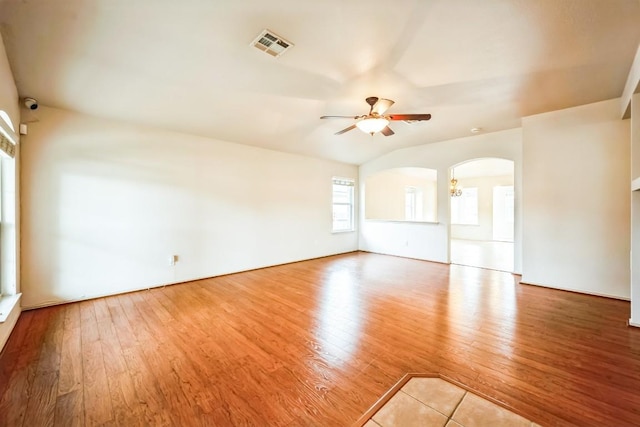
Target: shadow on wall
x,y
107,204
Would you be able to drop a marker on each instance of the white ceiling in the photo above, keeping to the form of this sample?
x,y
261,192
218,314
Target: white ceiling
x,y
484,167
187,65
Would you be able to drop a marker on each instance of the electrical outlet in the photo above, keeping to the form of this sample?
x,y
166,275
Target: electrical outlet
x,y
173,259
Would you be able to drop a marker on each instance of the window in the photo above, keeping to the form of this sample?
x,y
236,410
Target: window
x,y
464,208
503,213
412,203
8,297
343,204
2,290
7,142
5,117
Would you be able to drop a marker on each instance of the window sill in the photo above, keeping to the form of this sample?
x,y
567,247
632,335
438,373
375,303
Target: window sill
x,y
342,231
7,304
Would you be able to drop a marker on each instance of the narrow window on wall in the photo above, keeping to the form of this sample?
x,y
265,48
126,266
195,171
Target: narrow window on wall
x,y
2,291
412,204
343,204
5,117
503,213
464,208
7,153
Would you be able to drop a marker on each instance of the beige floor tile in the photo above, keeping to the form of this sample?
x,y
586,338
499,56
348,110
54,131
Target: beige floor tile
x,y
477,412
439,394
403,410
452,423
371,423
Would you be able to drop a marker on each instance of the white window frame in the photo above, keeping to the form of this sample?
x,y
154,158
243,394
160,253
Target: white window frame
x,y
9,299
413,203
345,182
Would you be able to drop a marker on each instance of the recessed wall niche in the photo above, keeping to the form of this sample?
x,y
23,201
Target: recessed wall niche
x,y
402,194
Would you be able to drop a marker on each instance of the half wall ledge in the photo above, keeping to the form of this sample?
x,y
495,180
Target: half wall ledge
x,y
7,304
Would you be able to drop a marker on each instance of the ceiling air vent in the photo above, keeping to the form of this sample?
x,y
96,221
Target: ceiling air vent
x,y
271,43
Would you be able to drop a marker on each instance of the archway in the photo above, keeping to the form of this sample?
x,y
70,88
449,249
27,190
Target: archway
x,y
482,214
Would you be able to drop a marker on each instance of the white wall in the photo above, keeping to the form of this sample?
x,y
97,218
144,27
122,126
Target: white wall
x,y
484,229
106,203
431,241
8,91
576,200
385,195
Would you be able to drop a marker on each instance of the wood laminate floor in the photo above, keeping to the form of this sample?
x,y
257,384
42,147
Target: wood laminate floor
x,y
316,343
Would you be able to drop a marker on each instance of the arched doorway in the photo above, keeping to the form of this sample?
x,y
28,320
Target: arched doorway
x,y
482,214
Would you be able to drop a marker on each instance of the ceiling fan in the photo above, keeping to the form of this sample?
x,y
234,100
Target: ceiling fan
x,y
376,120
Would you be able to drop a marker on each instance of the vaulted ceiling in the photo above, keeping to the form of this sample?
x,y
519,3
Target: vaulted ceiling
x,y
188,65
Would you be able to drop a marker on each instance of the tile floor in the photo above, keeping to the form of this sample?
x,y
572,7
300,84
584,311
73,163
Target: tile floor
x,y
438,403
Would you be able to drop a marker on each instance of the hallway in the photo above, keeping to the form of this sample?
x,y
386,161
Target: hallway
x,y
475,253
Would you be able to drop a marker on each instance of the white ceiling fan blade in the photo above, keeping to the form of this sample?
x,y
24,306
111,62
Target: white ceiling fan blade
x,y
381,106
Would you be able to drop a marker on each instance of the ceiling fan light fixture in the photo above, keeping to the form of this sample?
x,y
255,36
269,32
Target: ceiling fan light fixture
x,y
372,125
375,121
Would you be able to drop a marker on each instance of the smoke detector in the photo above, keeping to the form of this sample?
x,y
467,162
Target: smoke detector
x,y
271,43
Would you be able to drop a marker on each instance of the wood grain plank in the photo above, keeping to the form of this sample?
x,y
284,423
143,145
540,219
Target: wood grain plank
x,y
43,391
160,353
69,409
125,404
97,405
13,402
152,405
71,353
11,352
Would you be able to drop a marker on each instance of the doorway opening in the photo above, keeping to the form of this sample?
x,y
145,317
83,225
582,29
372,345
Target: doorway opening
x,y
482,214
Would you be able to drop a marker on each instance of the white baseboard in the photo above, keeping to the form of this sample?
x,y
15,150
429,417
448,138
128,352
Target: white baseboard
x,y
575,290
633,323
